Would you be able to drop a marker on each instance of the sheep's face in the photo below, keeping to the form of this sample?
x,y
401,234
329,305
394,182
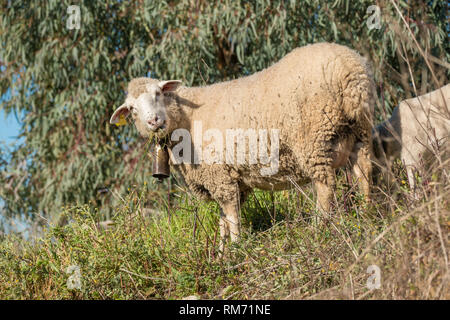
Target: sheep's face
x,y
149,109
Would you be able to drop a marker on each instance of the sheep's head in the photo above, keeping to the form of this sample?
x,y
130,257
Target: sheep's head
x,y
149,109
385,146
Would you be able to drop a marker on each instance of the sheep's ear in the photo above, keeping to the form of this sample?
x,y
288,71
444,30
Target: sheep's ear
x,y
169,85
121,113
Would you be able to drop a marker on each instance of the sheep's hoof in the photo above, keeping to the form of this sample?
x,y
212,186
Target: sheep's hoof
x,y
320,218
315,220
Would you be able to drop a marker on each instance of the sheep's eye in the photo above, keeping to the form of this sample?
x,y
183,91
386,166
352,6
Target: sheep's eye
x,y
134,111
157,94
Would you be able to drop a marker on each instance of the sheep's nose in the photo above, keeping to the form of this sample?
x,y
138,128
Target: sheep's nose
x,y
154,121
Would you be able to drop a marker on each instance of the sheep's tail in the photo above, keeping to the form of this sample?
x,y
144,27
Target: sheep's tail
x,y
359,94
359,98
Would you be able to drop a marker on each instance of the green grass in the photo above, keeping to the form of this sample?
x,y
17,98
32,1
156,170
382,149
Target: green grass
x,y
283,253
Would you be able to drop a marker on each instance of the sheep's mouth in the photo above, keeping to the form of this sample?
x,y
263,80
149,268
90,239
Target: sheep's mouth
x,y
159,132
158,128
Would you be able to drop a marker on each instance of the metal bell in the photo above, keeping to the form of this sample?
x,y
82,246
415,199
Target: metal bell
x,y
161,168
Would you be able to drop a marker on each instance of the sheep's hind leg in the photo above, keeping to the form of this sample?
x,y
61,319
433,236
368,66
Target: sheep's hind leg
x,y
362,167
324,185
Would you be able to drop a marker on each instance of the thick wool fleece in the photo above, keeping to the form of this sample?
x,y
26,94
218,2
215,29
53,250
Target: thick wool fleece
x,y
319,98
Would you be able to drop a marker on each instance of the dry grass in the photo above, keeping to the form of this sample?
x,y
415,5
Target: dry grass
x,y
284,253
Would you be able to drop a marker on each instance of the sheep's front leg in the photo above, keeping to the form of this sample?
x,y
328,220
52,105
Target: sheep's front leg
x,y
410,172
409,163
224,231
324,196
229,223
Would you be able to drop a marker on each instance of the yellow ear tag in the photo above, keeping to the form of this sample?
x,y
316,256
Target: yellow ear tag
x,y
122,121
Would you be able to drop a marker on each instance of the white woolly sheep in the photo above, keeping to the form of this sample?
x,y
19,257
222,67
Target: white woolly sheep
x,y
317,96
417,129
